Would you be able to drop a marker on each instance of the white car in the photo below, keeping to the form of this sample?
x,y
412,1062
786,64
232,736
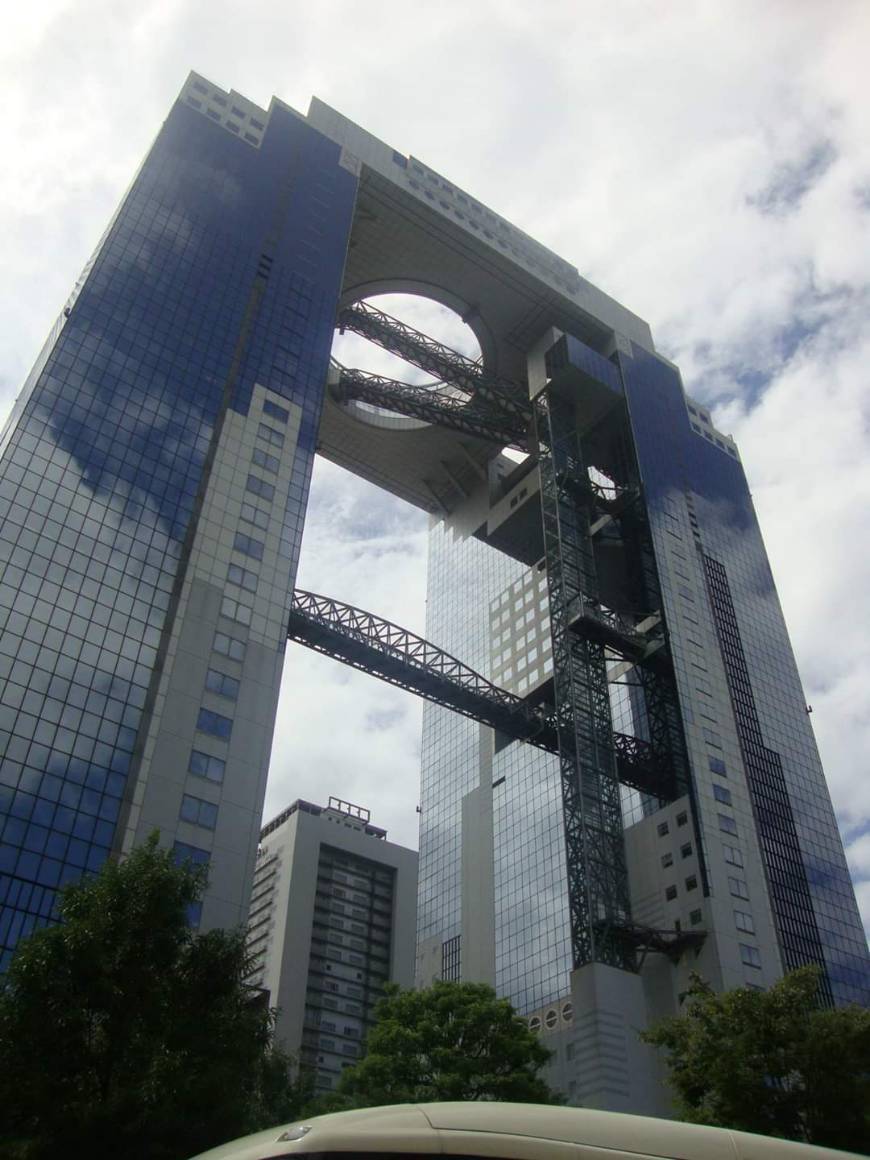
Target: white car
x,y
502,1131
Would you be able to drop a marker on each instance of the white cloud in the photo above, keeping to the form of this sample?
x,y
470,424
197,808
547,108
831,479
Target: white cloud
x,y
662,148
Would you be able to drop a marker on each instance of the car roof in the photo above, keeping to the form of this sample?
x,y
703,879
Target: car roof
x,y
510,1131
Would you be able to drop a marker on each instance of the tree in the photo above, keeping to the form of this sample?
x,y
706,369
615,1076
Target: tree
x,y
452,1041
124,1032
771,1061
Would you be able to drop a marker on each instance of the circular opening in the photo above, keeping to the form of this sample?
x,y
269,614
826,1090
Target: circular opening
x,y
425,315
567,1012
551,1019
534,1023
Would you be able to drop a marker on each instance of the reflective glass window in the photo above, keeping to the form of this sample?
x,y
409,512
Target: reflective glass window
x,y
275,412
738,888
248,546
270,435
265,460
215,724
253,515
750,956
229,646
198,812
207,766
237,610
222,684
743,921
186,853
243,577
260,487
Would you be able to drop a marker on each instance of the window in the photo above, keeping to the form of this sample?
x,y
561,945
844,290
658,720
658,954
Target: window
x,y
253,515
229,646
243,577
691,882
264,460
248,546
215,724
663,829
695,916
257,124
198,812
204,765
250,137
686,850
671,893
667,860
238,112
738,888
750,956
717,765
270,435
732,855
712,738
727,824
236,610
259,487
220,683
682,819
721,794
744,922
219,100
185,853
272,409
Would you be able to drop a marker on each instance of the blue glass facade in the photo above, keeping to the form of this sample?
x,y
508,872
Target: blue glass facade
x,y
713,564
221,270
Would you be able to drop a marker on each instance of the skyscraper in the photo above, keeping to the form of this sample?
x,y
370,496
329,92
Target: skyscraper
x,y
620,783
332,919
154,478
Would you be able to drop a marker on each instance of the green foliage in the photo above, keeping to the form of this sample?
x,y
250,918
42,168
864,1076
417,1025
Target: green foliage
x,y
124,1033
453,1041
772,1062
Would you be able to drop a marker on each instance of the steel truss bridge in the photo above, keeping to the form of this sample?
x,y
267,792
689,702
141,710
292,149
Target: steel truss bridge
x,y
576,724
399,657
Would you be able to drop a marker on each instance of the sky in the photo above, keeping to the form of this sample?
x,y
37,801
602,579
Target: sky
x,y
706,162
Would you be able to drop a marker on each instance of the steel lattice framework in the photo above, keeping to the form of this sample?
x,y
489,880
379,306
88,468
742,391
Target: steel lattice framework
x,y
594,759
383,649
443,407
507,400
598,892
394,654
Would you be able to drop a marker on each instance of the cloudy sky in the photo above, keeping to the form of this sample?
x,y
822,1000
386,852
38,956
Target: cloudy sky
x,y
706,162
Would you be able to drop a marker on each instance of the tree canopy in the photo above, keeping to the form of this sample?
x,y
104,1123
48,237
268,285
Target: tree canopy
x,y
772,1061
123,1032
452,1041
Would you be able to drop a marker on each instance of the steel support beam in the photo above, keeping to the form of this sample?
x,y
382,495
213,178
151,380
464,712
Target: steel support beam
x,y
385,650
443,408
598,893
438,360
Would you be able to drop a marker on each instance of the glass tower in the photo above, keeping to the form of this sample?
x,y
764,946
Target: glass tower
x,y
153,481
594,556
